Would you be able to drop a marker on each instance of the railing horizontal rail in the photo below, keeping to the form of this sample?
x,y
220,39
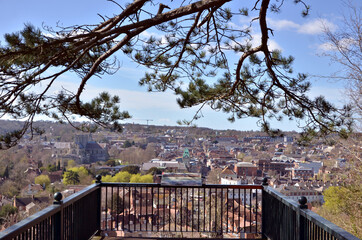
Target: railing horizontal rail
x,y
78,195
242,186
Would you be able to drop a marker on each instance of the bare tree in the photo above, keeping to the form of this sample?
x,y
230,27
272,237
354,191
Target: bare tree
x,y
344,47
343,203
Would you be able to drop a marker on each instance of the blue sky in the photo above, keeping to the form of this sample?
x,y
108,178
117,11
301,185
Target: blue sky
x,y
294,35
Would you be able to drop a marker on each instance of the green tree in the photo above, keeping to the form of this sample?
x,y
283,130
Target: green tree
x,y
127,144
196,39
111,162
131,169
71,178
122,177
71,163
107,178
343,207
6,172
154,171
7,210
43,180
83,173
137,178
51,168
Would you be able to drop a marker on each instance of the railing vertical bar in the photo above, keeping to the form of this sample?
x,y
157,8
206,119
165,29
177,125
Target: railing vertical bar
x,y
163,208
124,207
204,208
140,215
210,196
244,209
129,207
198,209
111,207
106,210
239,201
227,209
256,210
215,209
40,232
222,206
33,229
319,233
233,210
72,221
187,207
169,209
193,199
175,207
118,210
250,209
147,209
287,222
134,203
181,206
49,228
158,209
44,226
153,217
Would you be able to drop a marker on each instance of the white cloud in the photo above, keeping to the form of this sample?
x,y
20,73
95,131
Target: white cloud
x,y
316,26
137,100
147,35
282,24
313,27
344,43
256,41
332,94
326,47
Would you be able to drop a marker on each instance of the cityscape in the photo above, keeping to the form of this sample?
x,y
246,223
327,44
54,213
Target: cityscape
x,y
67,161
197,119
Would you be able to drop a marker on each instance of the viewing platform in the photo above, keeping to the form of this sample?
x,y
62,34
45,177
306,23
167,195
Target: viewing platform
x,y
154,211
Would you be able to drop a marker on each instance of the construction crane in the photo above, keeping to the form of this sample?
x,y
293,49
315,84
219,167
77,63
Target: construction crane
x,y
147,120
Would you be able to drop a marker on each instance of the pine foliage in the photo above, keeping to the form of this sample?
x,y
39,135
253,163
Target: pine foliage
x,y
192,58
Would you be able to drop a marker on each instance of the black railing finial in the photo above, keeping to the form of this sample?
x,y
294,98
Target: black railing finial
x,y
303,202
265,182
58,198
98,178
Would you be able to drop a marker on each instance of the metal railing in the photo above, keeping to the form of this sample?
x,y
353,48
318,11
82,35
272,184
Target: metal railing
x,y
212,210
285,219
207,211
77,217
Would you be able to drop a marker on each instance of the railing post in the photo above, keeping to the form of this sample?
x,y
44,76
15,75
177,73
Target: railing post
x,y
58,228
263,207
98,207
300,228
